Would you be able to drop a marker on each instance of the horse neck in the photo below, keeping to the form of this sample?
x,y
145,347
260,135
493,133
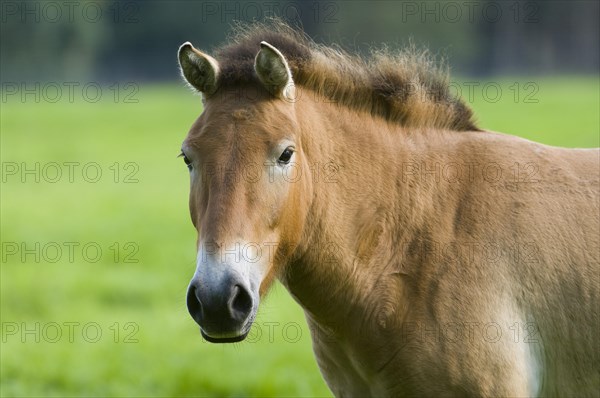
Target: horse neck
x,y
360,214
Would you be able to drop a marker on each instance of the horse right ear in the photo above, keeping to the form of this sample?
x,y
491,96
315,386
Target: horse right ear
x,y
200,70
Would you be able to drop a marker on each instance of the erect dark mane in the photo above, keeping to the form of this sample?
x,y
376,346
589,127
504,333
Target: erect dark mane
x,y
406,87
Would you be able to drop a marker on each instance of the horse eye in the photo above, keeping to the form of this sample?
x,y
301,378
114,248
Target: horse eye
x,y
286,155
186,160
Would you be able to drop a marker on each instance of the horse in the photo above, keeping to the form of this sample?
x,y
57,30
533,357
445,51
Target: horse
x,y
431,257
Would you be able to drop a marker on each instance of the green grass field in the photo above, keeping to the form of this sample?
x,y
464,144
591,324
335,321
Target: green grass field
x,y
108,318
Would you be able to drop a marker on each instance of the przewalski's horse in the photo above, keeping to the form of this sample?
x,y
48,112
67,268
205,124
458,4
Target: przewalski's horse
x,y
430,257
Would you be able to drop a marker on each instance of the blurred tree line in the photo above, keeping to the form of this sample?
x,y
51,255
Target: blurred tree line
x,y
110,40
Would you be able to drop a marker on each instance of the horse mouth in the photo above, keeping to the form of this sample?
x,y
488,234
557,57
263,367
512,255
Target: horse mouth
x,y
229,335
224,339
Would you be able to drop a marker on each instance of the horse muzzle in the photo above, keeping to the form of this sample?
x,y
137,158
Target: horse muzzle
x,y
223,307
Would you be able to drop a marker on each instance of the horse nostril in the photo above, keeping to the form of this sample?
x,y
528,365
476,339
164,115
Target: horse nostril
x,y
194,305
241,303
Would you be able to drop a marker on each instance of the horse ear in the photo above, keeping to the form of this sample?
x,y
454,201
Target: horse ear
x,y
273,71
200,70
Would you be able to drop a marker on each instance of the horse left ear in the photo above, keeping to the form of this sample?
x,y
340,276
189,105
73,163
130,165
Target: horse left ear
x,y
274,73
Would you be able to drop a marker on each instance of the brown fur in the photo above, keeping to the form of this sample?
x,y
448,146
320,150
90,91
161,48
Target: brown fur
x,y
390,253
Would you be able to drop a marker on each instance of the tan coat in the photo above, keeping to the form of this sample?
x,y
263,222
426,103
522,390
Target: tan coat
x,y
431,258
